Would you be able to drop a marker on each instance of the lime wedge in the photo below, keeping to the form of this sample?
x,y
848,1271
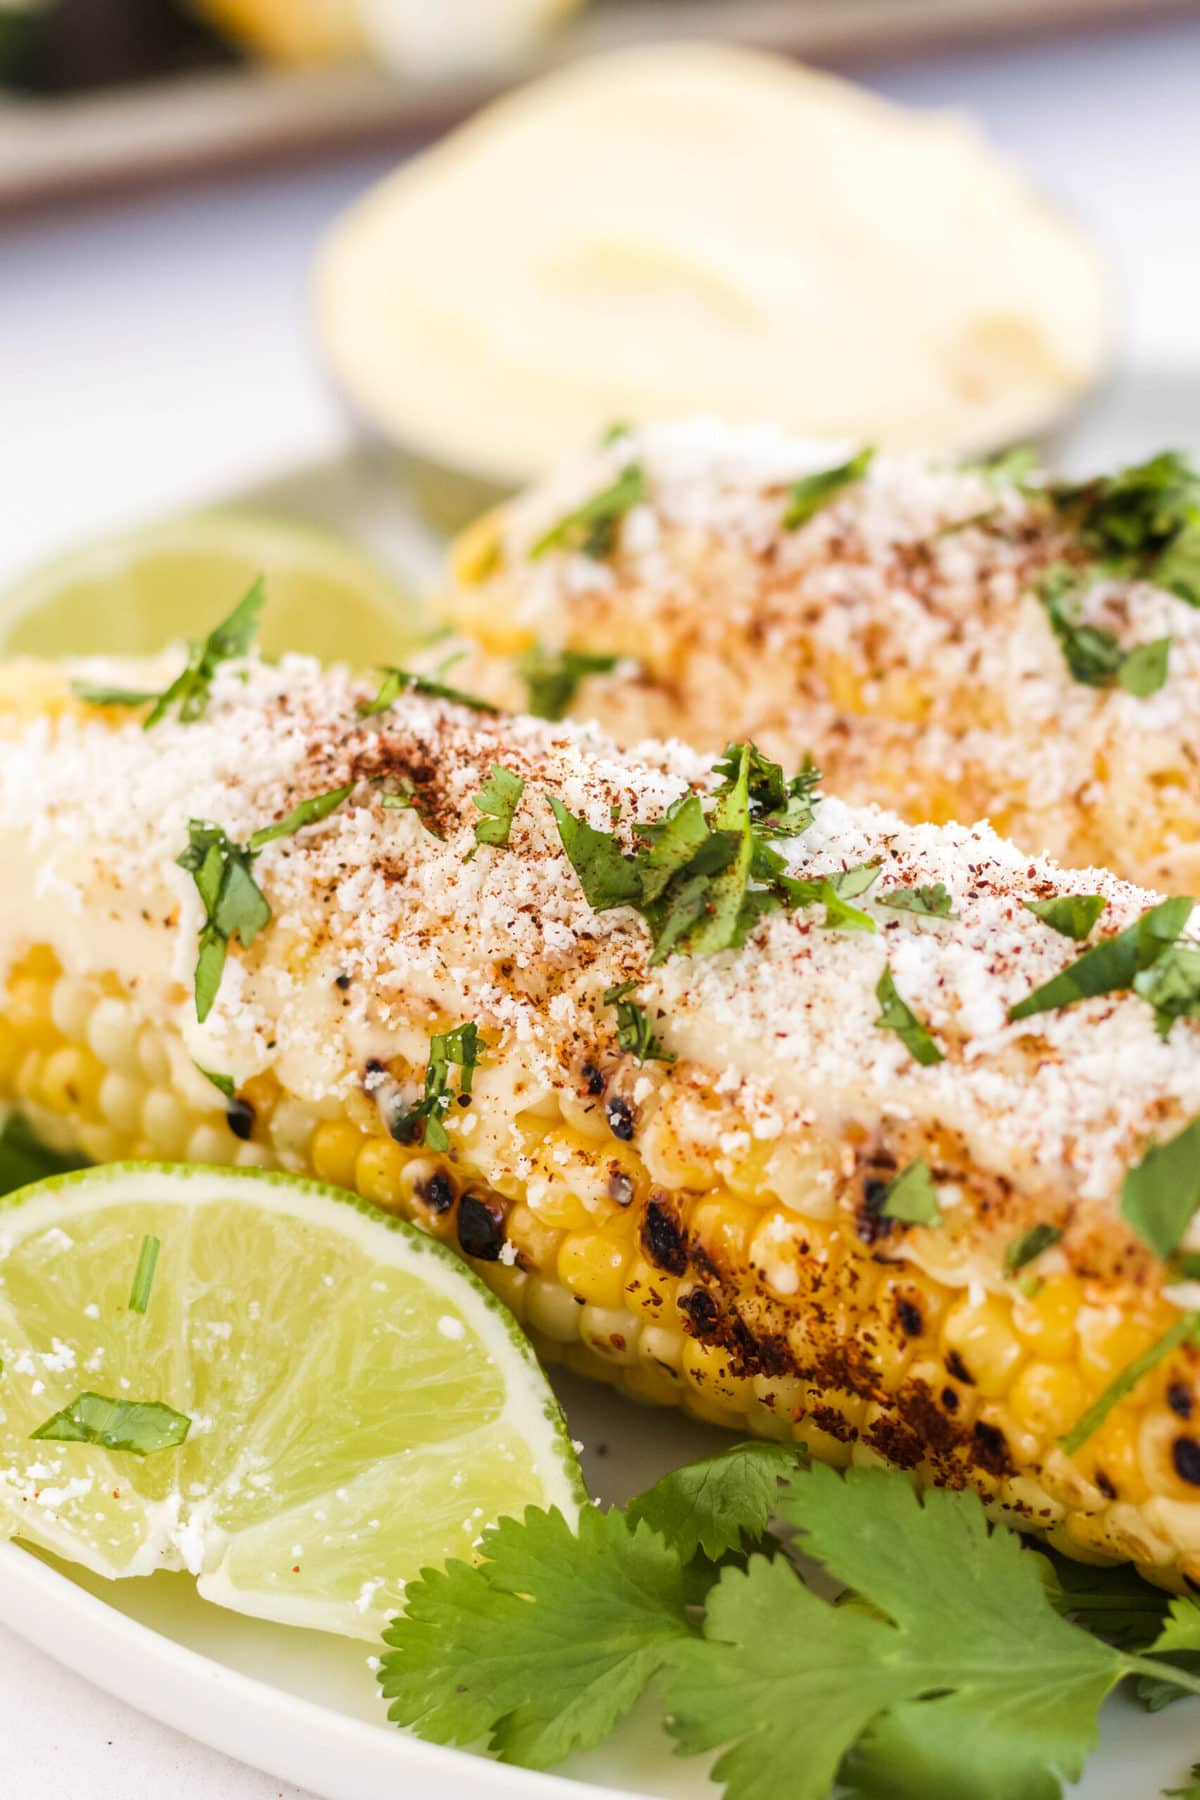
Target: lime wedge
x,y
131,595
325,1399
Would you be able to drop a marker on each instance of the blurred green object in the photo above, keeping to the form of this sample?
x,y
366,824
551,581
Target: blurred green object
x,y
23,1159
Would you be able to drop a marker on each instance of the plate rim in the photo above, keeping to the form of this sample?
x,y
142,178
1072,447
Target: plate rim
x,y
177,1686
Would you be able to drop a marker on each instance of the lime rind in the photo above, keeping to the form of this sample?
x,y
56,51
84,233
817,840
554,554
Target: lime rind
x,y
206,1515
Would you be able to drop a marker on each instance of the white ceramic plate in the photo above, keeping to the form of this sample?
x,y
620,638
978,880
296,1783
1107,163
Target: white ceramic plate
x,y
302,1706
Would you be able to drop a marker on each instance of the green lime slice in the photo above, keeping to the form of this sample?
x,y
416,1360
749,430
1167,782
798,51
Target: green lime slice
x,y
131,595
353,1404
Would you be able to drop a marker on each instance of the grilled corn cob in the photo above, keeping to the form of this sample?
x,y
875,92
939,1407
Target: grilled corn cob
x,y
813,1184
911,629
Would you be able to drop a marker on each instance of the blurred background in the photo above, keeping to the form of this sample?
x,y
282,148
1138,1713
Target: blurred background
x,y
169,169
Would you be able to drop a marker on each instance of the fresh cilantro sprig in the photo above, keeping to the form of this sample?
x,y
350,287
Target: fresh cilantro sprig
x,y
1171,985
1143,521
705,872
498,800
189,691
234,904
1093,654
809,494
551,677
402,681
591,528
949,1648
140,1426
1111,965
462,1048
634,1030
1185,1330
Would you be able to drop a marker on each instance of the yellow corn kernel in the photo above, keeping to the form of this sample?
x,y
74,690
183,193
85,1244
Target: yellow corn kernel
x,y
152,1059
477,551
1047,1398
663,1347
29,1009
166,1123
552,1310
822,1444
334,1150
561,1209
610,1332
112,1035
41,962
709,1368
211,1144
1168,1455
1109,1344
292,1127
1045,1319
379,1172
28,1081
71,1081
71,1004
592,1266
649,1292
646,1381
254,1156
100,1143
980,1332
537,1243
1115,1457
724,1227
11,1049
121,1101
508,1283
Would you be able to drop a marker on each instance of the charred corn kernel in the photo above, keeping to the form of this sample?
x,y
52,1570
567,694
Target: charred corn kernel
x,y
334,1151
980,1334
112,1035
592,1266
379,1172
1114,1462
1045,1319
1047,1398
1168,1455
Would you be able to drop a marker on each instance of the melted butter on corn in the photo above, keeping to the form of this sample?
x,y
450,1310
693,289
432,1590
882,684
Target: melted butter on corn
x,y
704,1233
899,643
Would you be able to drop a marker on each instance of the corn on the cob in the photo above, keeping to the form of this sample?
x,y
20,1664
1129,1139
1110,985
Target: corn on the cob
x,y
896,631
721,1230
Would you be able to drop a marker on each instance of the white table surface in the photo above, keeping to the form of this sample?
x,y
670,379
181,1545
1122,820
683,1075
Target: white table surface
x,y
158,351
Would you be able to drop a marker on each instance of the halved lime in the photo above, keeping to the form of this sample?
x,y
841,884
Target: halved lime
x,y
354,1405
130,595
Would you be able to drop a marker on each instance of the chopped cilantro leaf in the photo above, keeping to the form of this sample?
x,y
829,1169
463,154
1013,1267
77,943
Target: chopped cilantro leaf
x,y
400,681
139,1426
498,800
224,1084
634,1031
1185,1330
607,876
234,904
1161,1194
1111,965
928,902
779,807
913,1197
715,1505
461,1048
552,676
896,1015
592,527
96,695
1030,1245
1144,670
1171,986
1144,520
544,1643
1009,468
1071,915
309,812
809,494
143,1275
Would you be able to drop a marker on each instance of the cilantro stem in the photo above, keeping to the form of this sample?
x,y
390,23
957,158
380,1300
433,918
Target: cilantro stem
x,y
1160,1669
